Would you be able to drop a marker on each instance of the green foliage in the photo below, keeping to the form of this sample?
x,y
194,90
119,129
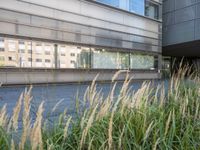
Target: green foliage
x,y
147,119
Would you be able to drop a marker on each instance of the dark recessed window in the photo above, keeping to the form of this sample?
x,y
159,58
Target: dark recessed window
x,y
29,51
21,42
29,59
38,60
21,51
47,52
2,49
10,58
47,60
72,54
72,62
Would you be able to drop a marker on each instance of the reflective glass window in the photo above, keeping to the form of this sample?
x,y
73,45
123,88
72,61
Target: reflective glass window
x,y
152,10
102,59
139,61
137,6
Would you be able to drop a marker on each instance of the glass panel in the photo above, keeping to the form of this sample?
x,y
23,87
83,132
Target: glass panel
x,y
114,3
142,7
151,10
18,53
123,60
42,55
70,56
139,61
137,6
102,59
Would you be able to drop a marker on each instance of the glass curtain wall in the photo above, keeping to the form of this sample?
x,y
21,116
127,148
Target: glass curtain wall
x,y
37,54
139,61
141,7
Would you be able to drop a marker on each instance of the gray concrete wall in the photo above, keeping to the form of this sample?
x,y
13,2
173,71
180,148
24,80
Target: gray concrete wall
x,y
79,21
181,21
10,76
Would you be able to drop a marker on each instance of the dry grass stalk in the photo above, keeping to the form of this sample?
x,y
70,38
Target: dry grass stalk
x,y
36,133
121,137
117,74
168,123
110,130
89,124
150,127
67,127
12,145
16,112
26,118
56,106
3,117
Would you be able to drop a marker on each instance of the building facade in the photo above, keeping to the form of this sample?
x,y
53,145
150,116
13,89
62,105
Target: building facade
x,y
85,36
181,30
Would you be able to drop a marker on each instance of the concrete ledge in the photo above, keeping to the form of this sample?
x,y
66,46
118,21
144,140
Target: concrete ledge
x,y
14,76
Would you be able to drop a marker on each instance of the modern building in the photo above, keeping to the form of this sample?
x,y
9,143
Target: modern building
x,y
77,39
181,30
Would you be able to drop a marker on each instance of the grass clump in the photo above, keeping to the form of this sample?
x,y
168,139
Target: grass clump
x,y
151,118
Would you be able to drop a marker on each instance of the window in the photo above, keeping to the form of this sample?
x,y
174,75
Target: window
x,y
2,49
72,62
1,39
139,61
47,53
137,6
11,45
152,10
29,51
114,3
29,59
38,49
38,60
10,58
2,45
47,60
21,50
72,54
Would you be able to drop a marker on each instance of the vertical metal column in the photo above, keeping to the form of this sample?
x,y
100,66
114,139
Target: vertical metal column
x,y
31,54
56,55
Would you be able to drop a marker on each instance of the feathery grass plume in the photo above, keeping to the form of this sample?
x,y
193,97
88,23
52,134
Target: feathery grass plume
x,y
167,125
156,144
26,117
12,145
90,144
121,137
110,130
89,124
118,73
36,133
150,127
56,105
107,104
67,127
16,111
3,117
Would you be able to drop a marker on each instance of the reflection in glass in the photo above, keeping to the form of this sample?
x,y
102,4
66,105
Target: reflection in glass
x,y
38,54
151,10
142,7
139,61
102,59
137,6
